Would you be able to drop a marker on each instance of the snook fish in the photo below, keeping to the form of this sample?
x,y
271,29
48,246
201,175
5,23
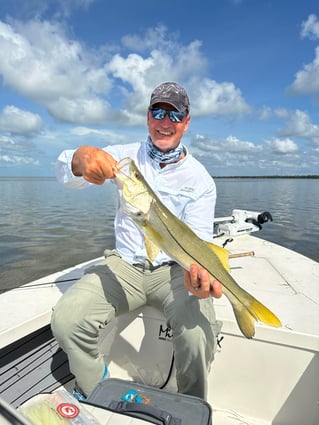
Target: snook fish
x,y
164,231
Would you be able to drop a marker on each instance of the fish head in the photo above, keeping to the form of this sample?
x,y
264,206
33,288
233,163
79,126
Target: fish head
x,y
135,193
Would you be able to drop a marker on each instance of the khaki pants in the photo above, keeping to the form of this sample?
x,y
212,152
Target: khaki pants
x,y
115,287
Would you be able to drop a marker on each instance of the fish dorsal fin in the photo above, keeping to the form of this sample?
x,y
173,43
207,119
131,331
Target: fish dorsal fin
x,y
221,253
152,249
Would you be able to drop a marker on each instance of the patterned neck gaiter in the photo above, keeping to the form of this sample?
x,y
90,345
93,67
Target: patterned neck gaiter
x,y
164,157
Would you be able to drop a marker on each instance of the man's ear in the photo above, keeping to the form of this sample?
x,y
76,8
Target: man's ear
x,y
187,121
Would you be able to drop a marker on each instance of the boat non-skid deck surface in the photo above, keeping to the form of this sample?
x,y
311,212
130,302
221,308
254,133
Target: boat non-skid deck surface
x,y
35,359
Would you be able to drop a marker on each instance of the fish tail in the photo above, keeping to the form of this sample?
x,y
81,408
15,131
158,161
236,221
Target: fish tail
x,y
246,317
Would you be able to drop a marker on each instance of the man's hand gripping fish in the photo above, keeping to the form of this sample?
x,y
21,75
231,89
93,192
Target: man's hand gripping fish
x,y
164,231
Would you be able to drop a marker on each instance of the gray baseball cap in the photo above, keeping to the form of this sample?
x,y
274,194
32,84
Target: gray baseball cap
x,y
171,93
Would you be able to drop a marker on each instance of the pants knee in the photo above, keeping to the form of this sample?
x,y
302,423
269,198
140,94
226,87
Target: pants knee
x,y
61,327
66,318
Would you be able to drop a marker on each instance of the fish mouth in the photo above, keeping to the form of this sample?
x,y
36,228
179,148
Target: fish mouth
x,y
134,197
122,171
125,162
123,167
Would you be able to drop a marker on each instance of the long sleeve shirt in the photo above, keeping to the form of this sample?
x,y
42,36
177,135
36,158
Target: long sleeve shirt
x,y
184,187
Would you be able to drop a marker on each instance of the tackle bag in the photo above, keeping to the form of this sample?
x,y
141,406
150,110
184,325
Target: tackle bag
x,y
150,404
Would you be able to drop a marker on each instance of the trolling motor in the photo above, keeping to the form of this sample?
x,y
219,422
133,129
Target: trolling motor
x,y
241,222
261,218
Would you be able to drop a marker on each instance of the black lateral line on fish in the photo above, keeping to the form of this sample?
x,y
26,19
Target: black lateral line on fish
x,y
199,263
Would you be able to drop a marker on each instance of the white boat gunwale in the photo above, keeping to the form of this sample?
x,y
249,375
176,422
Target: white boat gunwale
x,y
296,284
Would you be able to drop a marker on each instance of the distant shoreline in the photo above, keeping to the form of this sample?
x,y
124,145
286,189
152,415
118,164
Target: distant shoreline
x,y
267,177
314,176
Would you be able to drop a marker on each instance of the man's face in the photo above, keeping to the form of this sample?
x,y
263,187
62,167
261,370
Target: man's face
x,y
166,134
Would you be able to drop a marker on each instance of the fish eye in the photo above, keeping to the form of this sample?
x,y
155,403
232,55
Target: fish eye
x,y
137,175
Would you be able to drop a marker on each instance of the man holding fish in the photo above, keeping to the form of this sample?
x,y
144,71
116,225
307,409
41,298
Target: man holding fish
x,y
163,227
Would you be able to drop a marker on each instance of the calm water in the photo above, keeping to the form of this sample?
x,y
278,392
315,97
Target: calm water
x,y
45,227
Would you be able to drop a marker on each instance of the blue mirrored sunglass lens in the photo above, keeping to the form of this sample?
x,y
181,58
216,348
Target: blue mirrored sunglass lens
x,y
174,116
158,114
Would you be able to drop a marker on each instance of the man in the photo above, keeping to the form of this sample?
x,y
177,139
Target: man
x,y
127,279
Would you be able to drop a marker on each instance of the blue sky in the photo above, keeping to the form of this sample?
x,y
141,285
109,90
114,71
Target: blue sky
x,y
75,72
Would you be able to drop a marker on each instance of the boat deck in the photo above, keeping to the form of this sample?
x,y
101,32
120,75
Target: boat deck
x,y
285,281
271,379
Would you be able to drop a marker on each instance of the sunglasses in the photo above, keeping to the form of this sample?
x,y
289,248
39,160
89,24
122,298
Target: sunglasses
x,y
174,116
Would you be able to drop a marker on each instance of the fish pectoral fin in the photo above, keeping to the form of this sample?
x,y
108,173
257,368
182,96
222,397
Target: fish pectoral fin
x,y
221,253
247,316
152,249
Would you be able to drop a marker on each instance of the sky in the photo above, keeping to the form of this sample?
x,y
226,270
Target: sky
x,y
81,72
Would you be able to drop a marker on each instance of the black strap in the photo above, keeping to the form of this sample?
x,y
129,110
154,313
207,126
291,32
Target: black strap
x,y
145,411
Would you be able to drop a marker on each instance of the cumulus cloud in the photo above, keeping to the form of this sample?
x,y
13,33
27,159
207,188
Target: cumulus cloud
x,y
310,27
67,72
83,110
297,124
234,156
73,83
17,121
15,151
210,97
307,80
300,125
41,62
283,146
229,144
166,59
266,113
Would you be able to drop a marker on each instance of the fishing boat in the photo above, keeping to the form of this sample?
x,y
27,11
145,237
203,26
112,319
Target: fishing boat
x,y
270,379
